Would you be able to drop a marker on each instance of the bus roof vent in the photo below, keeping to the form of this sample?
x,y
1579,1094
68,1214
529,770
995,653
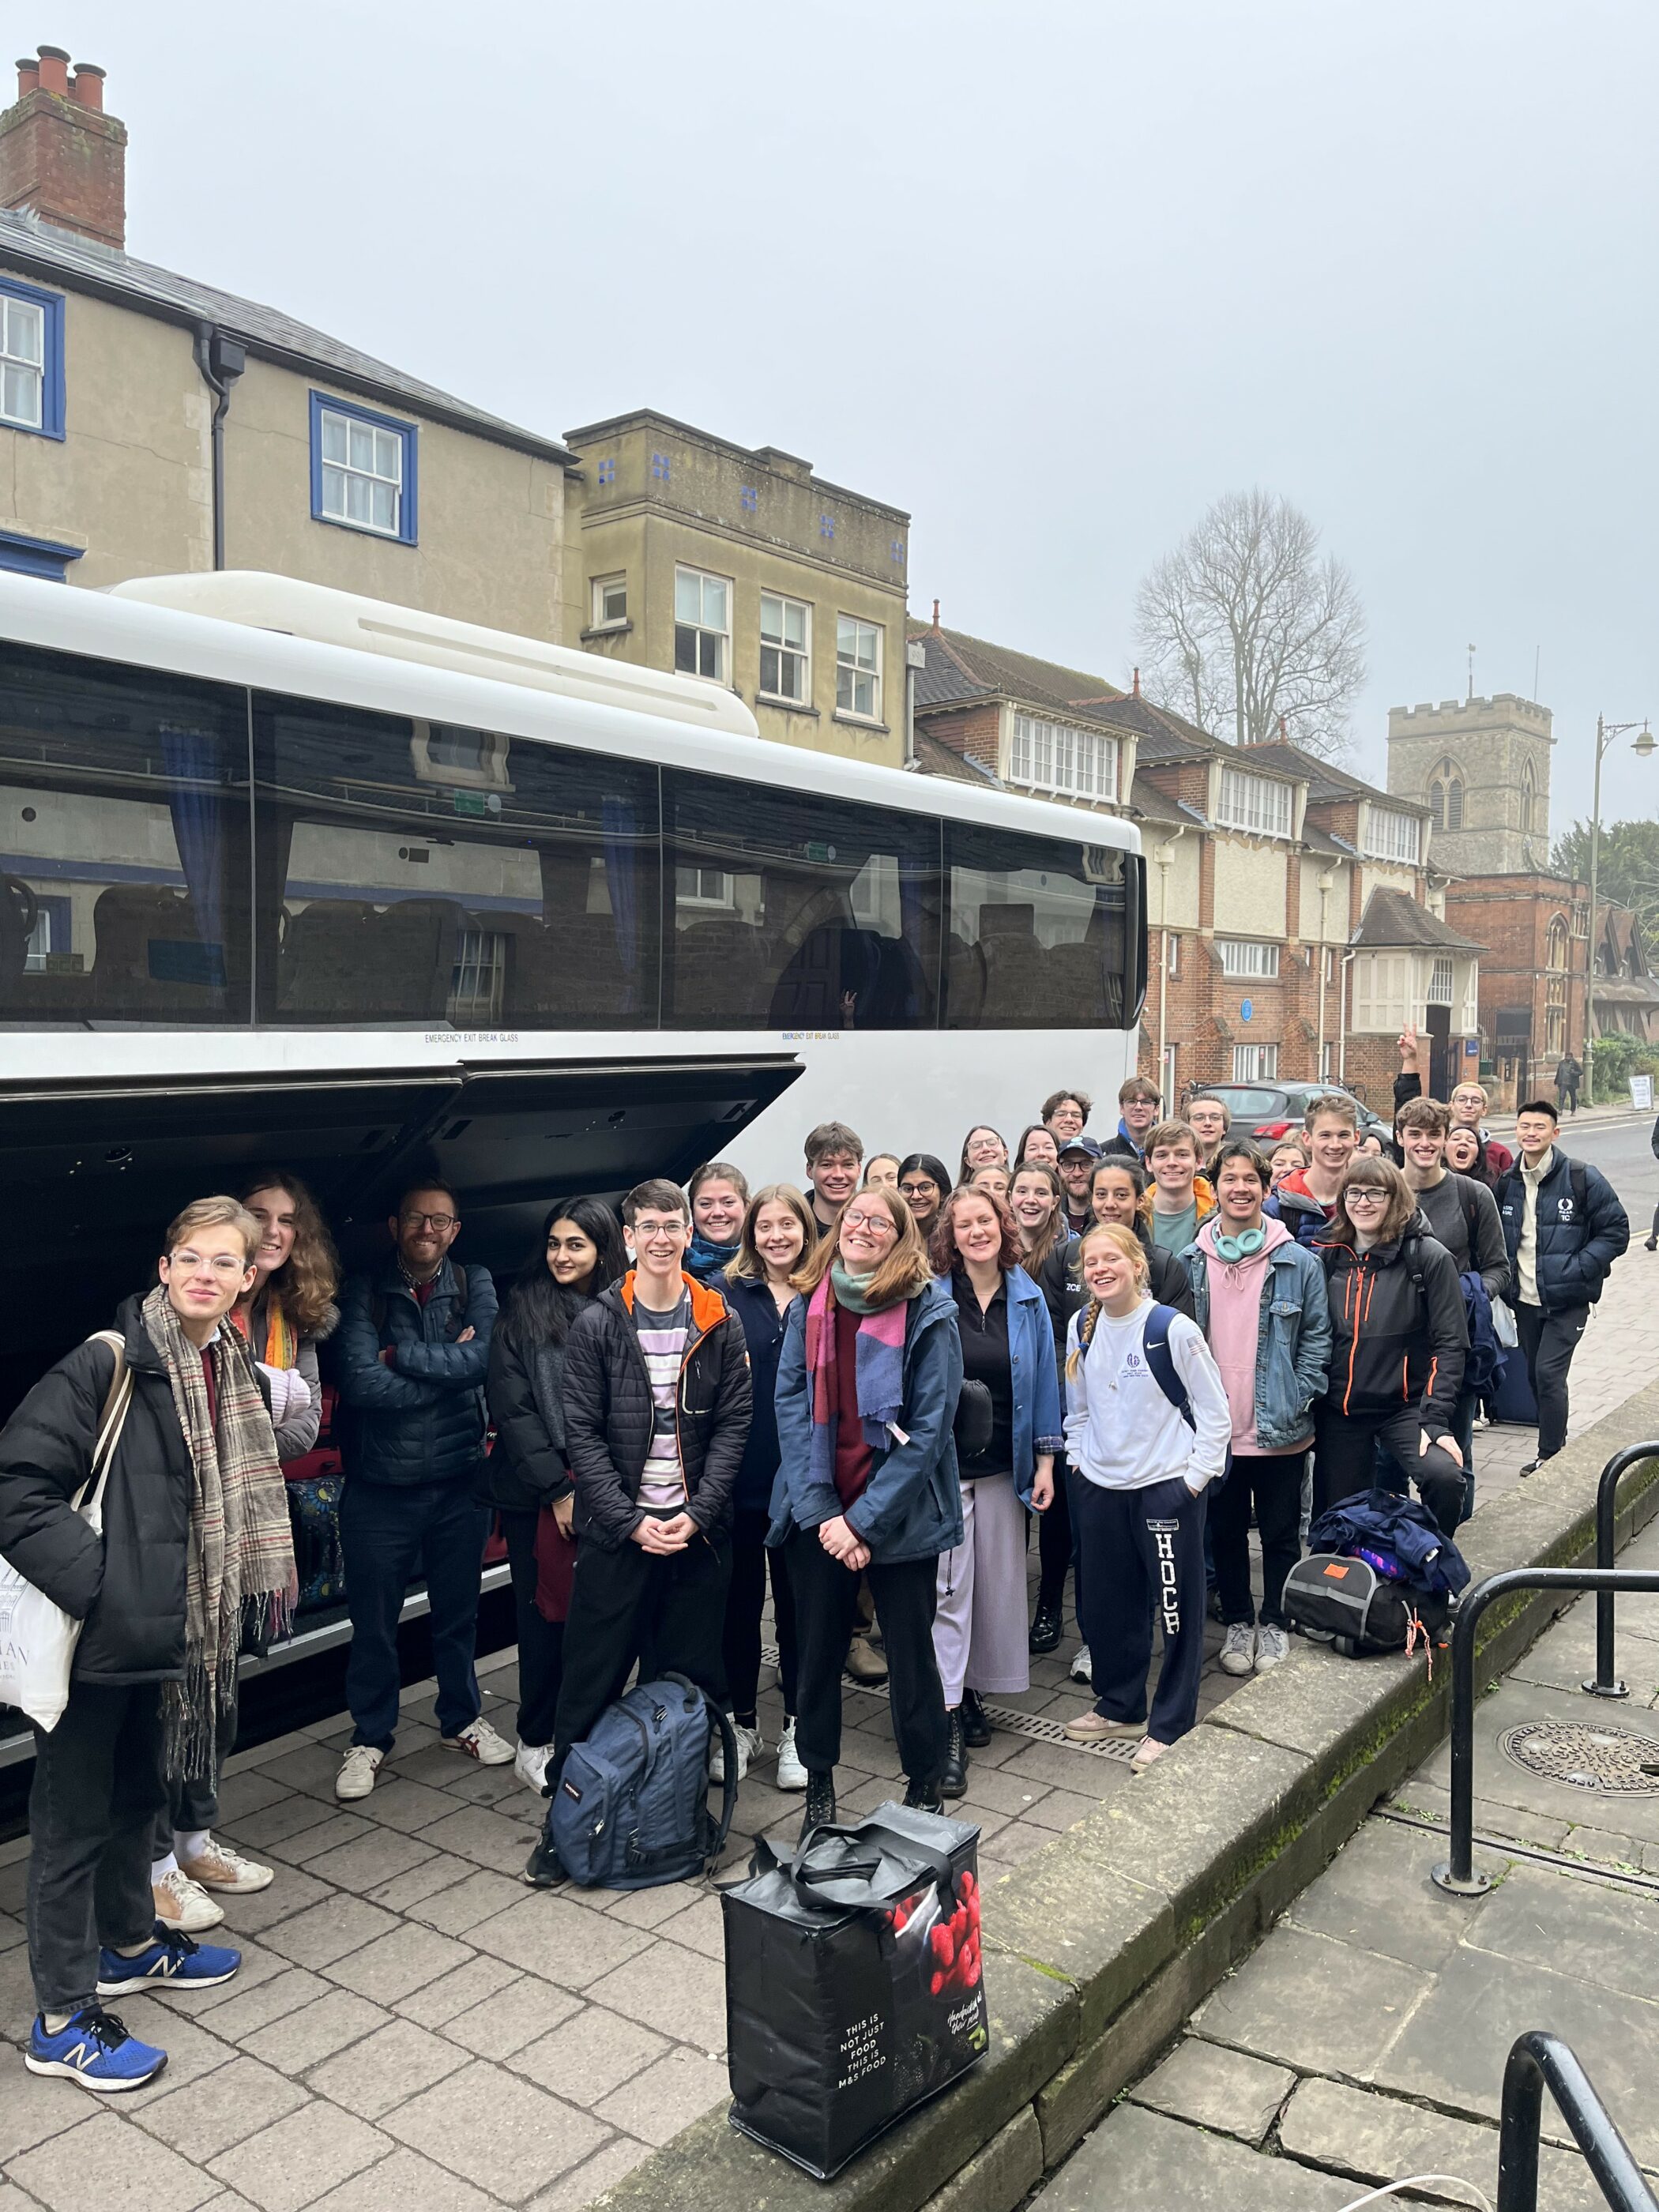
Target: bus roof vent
x,y
325,617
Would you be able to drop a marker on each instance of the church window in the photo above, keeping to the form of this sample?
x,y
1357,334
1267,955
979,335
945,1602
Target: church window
x,y
1528,798
1446,796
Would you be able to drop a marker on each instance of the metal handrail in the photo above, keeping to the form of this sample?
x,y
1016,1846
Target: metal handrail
x,y
1457,1874
1538,2061
1604,1683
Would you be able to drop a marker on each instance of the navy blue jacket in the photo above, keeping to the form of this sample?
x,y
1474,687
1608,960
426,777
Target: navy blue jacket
x,y
1577,1245
762,1332
422,1418
911,1507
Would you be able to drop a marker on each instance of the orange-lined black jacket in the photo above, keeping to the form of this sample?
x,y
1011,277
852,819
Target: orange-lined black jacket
x,y
1396,1344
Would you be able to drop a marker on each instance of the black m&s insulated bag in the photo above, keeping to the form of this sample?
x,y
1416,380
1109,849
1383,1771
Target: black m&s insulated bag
x,y
1346,1601
853,1991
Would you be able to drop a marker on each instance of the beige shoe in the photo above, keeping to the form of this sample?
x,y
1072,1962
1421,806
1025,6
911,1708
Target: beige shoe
x,y
864,1664
358,1768
1095,1727
1150,1753
477,1740
215,1866
184,1905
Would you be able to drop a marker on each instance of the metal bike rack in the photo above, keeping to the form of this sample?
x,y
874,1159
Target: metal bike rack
x,y
1537,2062
1457,1874
1605,1683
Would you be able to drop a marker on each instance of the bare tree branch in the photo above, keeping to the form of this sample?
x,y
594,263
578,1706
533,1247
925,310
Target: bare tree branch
x,y
1244,625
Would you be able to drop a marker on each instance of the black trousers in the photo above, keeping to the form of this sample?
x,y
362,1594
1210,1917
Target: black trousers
x,y
541,1641
628,1604
97,1790
1548,1341
1142,1556
1054,1541
389,1533
1344,1460
746,1599
826,1593
1274,1480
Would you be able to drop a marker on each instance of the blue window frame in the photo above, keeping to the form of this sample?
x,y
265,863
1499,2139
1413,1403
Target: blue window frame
x,y
363,469
31,358
37,556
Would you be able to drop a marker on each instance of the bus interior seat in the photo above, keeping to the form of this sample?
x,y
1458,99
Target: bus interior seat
x,y
149,956
345,958
1076,980
1015,963
563,974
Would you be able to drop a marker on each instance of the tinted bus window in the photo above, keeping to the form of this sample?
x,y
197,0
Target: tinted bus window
x,y
411,870
124,844
1037,936
790,911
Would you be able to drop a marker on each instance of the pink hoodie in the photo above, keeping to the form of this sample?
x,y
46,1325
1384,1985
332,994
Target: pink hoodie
x,y
1235,1317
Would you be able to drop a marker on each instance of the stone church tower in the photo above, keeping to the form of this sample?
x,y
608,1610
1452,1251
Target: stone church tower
x,y
1482,767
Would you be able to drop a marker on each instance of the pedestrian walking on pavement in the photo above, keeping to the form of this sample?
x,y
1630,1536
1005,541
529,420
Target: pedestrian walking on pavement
x,y
1564,1227
1568,1077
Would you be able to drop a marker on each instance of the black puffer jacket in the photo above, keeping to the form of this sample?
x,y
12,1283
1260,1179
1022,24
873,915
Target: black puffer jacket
x,y
530,1466
129,1588
1395,1345
422,1418
608,1413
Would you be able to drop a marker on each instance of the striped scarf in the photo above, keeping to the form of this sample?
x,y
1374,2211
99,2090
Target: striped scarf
x,y
238,1573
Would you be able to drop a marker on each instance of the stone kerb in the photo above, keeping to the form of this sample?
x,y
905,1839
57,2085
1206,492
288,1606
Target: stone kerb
x,y
1099,1945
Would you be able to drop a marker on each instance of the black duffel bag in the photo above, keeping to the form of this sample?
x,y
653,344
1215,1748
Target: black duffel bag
x,y
853,1989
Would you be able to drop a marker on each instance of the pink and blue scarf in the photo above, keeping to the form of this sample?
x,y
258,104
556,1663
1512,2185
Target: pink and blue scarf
x,y
879,1367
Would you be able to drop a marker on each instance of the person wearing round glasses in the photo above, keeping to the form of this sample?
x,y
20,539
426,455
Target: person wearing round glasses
x,y
867,1394
1399,1338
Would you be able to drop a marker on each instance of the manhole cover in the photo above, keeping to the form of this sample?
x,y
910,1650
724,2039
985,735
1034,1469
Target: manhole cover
x,y
1612,1760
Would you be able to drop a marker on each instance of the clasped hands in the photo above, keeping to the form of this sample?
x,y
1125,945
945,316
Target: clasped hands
x,y
843,1542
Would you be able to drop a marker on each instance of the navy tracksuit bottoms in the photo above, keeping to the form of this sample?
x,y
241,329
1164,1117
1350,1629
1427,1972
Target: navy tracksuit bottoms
x,y
1140,1558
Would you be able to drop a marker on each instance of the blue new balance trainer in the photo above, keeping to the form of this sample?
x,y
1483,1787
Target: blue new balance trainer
x,y
174,1960
95,2051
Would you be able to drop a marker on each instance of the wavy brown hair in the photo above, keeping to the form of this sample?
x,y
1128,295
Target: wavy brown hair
x,y
749,1267
942,1237
905,1271
308,1280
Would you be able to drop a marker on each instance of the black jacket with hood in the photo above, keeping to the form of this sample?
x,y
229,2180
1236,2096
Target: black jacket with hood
x,y
609,1415
1400,1327
128,1587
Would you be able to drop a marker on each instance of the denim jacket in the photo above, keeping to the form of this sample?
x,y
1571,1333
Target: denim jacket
x,y
1037,1412
1293,1340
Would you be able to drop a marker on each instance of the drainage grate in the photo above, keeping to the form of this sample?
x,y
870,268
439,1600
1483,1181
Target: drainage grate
x,y
1611,1761
1119,1749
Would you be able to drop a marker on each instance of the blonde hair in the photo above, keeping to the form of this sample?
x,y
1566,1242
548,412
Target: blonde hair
x,y
1135,1251
215,1213
906,1269
749,1267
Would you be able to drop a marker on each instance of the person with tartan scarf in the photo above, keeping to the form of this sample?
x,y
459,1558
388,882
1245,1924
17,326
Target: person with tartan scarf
x,y
867,1385
194,1559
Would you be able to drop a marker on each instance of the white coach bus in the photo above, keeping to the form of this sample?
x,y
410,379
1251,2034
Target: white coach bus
x,y
291,876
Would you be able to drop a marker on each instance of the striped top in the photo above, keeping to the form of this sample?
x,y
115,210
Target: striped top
x,y
663,1339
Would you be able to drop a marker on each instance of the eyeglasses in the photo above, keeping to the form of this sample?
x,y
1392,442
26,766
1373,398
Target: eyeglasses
x,y
873,1224
438,1221
922,1189
1360,1193
674,1226
225,1265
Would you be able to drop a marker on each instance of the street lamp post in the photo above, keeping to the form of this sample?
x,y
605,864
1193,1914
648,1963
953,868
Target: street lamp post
x,y
1605,732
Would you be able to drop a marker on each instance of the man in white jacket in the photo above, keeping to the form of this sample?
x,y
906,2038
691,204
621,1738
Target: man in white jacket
x,y
1147,1429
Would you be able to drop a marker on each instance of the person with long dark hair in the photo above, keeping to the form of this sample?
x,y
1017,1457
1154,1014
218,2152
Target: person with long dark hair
x,y
923,1181
778,1231
1117,1195
579,1253
1037,1201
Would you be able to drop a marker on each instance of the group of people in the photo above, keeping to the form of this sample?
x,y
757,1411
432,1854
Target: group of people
x,y
856,1395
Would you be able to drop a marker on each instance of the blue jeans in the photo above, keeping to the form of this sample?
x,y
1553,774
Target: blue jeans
x,y
390,1534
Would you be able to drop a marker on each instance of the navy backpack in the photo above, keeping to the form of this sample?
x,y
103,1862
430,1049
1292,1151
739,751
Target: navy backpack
x,y
630,1809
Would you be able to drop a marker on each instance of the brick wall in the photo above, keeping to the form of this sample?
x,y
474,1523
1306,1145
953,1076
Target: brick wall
x,y
974,731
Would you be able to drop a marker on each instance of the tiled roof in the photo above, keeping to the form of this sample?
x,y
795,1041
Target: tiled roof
x,y
1391,919
1325,781
62,257
960,667
935,757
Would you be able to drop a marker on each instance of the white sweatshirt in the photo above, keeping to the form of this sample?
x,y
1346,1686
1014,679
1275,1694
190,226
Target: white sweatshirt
x,y
1122,1432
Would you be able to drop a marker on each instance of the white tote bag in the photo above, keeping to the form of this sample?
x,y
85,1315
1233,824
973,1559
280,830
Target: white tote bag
x,y
1502,1325
37,1637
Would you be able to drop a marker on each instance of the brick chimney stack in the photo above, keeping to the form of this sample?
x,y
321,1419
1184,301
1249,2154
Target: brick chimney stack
x,y
61,157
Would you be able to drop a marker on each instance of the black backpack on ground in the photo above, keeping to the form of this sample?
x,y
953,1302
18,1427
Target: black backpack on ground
x,y
1346,1603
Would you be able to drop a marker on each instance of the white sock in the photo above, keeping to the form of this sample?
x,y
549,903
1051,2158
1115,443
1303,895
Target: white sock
x,y
56,2022
189,1843
159,1867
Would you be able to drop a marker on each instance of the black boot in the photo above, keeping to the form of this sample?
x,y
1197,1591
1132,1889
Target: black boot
x,y
924,1797
820,1802
543,1869
975,1728
1045,1629
954,1783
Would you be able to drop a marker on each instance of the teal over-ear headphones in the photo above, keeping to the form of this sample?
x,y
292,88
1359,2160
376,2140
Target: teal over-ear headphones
x,y
1244,1246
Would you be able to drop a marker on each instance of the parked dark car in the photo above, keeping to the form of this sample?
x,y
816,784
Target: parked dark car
x,y
1271,1110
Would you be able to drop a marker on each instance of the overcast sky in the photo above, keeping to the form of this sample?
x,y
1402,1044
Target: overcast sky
x,y
1051,275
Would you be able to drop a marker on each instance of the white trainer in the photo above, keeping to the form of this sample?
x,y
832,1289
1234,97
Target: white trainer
x,y
215,1866
357,1771
1080,1670
183,1903
1238,1649
750,1744
792,1774
529,1765
1273,1646
480,1741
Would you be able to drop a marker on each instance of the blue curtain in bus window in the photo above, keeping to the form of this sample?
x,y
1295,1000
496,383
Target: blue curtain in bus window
x,y
918,883
621,845
195,802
